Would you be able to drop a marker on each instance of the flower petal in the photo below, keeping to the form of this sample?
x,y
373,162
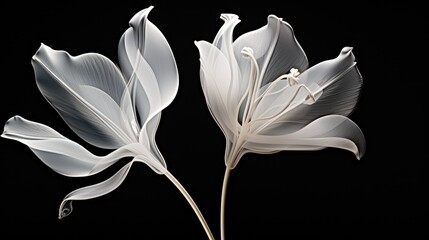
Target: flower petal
x,y
93,191
276,101
102,188
146,58
275,49
86,91
223,41
335,83
60,153
148,140
329,131
216,80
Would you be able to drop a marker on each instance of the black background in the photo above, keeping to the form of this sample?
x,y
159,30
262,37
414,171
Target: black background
x,y
327,192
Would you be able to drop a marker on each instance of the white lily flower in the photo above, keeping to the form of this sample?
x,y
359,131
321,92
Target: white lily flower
x,y
99,102
265,99
106,106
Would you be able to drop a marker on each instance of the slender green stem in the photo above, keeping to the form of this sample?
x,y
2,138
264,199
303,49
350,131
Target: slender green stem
x,y
191,202
222,203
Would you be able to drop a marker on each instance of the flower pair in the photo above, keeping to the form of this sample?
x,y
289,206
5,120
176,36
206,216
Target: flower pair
x,y
258,88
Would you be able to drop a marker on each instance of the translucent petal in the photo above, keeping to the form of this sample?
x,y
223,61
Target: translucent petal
x,y
93,191
80,88
62,154
337,84
100,189
146,57
223,41
326,71
216,79
275,49
148,140
329,131
278,99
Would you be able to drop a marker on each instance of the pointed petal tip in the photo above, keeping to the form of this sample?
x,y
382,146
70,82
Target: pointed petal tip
x,y
148,9
43,48
138,17
200,43
360,153
346,50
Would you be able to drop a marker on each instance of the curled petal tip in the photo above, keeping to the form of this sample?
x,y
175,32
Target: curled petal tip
x,y
274,17
360,154
346,50
8,122
138,17
228,16
65,209
148,9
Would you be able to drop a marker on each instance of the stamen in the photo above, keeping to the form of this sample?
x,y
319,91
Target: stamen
x,y
275,116
292,77
253,85
292,80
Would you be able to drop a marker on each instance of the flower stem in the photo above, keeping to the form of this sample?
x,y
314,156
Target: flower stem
x,y
222,203
191,202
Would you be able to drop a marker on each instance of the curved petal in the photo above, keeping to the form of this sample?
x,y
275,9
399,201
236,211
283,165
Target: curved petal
x,y
216,80
86,91
335,83
60,153
148,140
148,63
223,41
275,49
99,189
93,191
329,131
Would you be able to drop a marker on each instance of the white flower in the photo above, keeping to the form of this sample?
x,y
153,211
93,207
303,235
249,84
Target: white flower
x,y
100,102
265,99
